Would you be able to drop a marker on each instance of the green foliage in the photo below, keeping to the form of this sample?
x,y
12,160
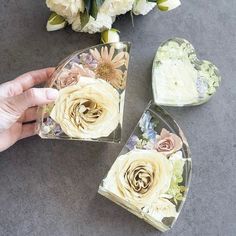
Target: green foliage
x,y
92,6
176,190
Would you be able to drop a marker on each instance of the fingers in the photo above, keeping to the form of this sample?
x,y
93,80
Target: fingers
x,y
29,115
24,82
10,136
15,133
33,78
30,98
28,130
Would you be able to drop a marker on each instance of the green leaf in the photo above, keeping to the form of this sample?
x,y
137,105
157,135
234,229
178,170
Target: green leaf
x,y
88,6
84,18
100,2
161,1
92,7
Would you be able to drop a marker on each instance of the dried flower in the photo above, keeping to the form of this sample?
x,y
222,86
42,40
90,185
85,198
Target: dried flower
x,y
89,109
71,76
168,143
139,177
108,66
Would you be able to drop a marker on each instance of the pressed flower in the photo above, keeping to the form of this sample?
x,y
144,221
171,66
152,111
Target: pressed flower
x,y
168,143
71,76
109,64
139,177
88,109
87,60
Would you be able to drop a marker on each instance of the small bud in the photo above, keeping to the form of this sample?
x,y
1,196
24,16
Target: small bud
x,y
110,36
55,22
167,5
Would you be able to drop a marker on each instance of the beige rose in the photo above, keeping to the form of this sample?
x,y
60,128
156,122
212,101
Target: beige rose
x,y
89,109
168,143
139,177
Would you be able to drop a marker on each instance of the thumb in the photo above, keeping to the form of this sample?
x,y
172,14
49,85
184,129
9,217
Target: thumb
x,y
13,107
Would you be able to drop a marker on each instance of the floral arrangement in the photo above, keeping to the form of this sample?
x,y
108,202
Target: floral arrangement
x,y
149,177
91,86
190,81
94,16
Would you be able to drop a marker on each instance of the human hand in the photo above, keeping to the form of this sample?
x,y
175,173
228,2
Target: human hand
x,y
18,105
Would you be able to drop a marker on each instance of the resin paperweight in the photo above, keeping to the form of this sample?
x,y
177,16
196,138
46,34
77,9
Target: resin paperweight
x,y
179,78
91,85
151,176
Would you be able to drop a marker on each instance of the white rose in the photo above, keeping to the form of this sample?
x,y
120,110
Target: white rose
x,y
101,23
89,109
142,7
161,208
139,177
66,8
116,7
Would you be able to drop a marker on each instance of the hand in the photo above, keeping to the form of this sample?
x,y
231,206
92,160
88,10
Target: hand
x,y
18,105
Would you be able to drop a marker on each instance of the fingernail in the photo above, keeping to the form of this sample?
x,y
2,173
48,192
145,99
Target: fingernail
x,y
52,94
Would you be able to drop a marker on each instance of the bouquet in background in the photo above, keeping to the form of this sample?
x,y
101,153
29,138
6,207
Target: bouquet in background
x,y
92,16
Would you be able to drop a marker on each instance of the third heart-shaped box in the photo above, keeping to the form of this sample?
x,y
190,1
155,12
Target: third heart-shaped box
x,y
179,78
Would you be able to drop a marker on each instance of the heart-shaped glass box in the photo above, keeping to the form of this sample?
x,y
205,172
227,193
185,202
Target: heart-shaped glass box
x,y
151,176
91,84
179,78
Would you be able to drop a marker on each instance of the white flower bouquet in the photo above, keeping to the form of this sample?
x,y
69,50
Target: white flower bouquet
x,y
94,16
150,177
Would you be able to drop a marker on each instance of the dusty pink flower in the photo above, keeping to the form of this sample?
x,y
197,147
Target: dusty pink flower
x,y
71,76
168,143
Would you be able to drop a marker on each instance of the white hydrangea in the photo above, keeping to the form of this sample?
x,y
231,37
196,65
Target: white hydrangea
x,y
116,7
101,23
142,7
66,8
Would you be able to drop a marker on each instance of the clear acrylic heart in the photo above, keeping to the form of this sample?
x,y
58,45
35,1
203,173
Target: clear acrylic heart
x,y
179,78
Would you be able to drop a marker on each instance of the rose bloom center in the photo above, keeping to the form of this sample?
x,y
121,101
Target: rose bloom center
x,y
85,112
140,177
166,144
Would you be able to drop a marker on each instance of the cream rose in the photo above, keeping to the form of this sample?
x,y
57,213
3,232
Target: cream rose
x,y
66,8
139,177
89,109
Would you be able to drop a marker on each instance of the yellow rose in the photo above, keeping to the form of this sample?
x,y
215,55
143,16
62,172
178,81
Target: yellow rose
x,y
139,177
88,110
